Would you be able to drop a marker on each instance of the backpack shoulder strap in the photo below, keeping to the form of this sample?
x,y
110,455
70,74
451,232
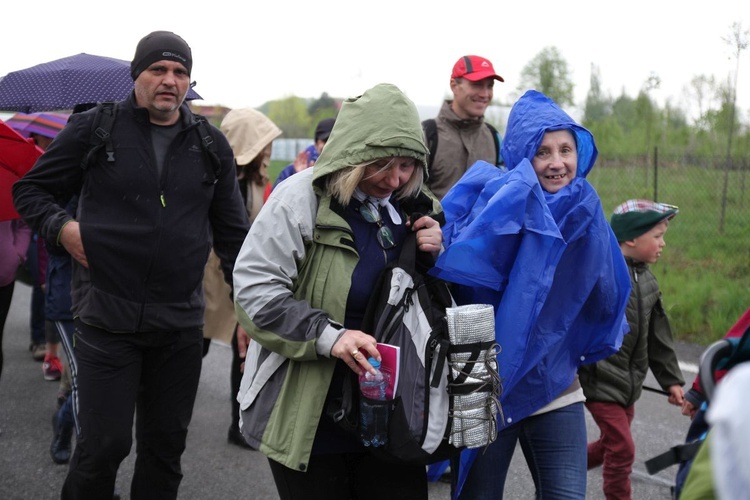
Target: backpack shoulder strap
x,y
429,126
496,139
209,145
101,133
101,137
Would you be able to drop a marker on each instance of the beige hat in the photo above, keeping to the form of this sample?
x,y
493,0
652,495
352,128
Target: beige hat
x,y
248,132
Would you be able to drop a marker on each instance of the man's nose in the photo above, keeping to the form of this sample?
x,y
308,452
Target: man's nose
x,y
170,79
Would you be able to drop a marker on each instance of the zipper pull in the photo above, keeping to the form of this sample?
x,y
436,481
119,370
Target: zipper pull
x,y
163,201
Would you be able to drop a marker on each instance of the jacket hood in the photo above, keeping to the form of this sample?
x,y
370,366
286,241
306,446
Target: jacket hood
x,y
533,115
380,123
248,132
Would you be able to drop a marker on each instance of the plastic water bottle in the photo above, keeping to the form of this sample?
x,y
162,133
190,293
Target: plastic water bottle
x,y
373,415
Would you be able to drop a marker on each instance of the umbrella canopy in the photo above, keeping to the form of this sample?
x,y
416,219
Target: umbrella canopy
x,y
63,83
46,124
17,156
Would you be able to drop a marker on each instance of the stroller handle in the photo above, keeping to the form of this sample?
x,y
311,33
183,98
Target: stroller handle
x,y
710,359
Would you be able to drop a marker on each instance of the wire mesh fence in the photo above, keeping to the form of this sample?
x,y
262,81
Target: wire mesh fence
x,y
704,272
712,194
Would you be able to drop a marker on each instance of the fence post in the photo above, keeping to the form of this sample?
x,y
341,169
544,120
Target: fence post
x,y
742,182
656,173
724,191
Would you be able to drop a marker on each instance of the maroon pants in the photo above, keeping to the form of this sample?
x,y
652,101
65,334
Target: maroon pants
x,y
614,449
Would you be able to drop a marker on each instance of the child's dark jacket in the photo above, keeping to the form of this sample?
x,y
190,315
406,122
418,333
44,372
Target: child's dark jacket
x,y
619,378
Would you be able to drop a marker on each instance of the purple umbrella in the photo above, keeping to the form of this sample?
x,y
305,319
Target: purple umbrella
x,y
63,83
46,124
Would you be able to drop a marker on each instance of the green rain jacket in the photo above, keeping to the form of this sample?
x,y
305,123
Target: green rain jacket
x,y
293,275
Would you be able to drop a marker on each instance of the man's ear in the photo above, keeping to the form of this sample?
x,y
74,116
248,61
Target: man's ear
x,y
630,243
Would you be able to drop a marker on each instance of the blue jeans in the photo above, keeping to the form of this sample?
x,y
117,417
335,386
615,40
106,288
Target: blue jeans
x,y
554,445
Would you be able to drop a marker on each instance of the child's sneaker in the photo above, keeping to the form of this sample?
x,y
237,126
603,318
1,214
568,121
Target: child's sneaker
x,y
52,368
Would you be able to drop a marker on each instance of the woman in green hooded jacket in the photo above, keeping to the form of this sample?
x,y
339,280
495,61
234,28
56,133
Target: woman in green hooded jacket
x,y
302,282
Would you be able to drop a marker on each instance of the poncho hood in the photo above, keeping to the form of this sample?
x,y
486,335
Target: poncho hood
x,y
531,117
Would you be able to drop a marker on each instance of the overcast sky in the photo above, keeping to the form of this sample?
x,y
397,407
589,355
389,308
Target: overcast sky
x,y
248,52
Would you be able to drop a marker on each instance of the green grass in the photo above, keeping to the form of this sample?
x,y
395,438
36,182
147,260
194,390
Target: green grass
x,y
275,168
704,273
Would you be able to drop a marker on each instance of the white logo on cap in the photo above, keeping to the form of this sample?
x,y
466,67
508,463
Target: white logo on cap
x,y
485,64
173,54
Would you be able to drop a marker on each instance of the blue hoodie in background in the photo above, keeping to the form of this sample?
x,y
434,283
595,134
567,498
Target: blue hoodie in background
x,y
549,263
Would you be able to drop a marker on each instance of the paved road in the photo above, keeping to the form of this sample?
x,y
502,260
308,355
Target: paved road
x,y
215,469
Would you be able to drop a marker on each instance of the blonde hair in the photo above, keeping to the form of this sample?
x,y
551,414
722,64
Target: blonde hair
x,y
342,183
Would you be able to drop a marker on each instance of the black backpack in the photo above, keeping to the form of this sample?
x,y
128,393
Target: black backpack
x,y
429,127
408,309
101,137
412,436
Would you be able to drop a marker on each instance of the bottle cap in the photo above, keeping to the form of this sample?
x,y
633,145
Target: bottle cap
x,y
374,362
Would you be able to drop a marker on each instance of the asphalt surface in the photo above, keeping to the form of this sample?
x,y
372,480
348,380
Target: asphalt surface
x,y
213,468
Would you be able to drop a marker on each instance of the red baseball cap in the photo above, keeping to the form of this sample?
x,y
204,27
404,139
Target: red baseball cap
x,y
474,68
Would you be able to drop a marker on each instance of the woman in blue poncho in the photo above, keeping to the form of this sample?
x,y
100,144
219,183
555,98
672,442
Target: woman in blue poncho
x,y
534,242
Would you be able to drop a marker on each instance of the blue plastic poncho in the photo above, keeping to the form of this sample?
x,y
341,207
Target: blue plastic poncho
x,y
549,263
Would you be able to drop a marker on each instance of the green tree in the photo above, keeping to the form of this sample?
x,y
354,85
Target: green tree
x,y
597,106
324,106
548,73
290,115
676,137
647,112
609,137
701,90
738,40
624,111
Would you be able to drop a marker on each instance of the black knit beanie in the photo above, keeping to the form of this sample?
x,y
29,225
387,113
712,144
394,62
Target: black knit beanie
x,y
158,46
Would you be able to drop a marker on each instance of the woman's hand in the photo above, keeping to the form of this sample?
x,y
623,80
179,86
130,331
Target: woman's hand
x,y
354,347
429,234
243,341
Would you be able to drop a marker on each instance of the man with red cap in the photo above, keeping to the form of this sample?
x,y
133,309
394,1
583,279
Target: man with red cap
x,y
459,136
153,200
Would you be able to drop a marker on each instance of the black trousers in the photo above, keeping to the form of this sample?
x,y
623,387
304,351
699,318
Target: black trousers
x,y
351,476
154,375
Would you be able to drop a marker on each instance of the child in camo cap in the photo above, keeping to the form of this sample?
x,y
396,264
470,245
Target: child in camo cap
x,y
613,385
633,218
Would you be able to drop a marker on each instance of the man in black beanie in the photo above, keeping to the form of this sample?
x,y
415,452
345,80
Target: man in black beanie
x,y
152,203
157,46
161,72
